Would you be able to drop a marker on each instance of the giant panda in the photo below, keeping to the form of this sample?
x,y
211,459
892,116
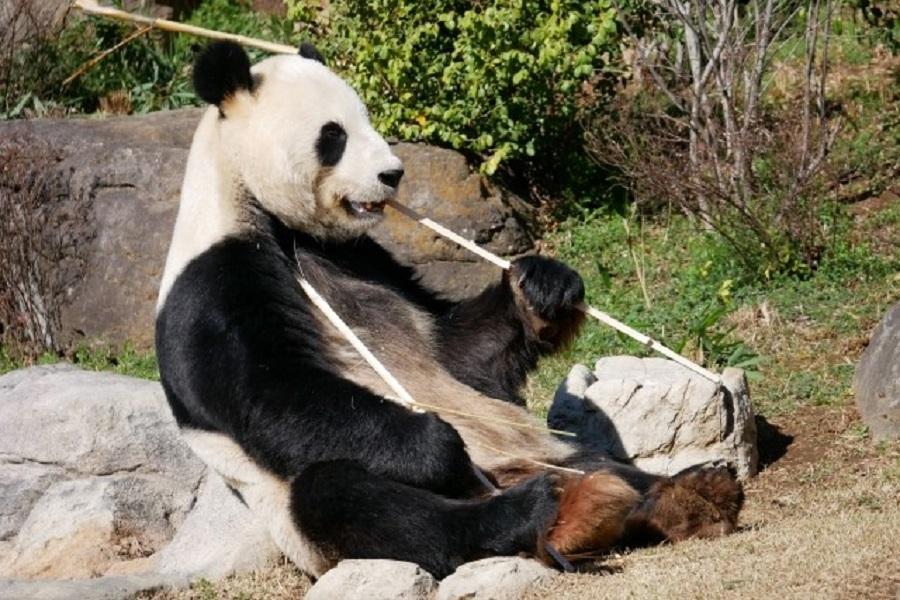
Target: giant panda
x,y
284,179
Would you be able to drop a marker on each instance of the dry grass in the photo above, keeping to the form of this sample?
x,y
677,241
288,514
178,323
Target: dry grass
x,y
842,553
281,582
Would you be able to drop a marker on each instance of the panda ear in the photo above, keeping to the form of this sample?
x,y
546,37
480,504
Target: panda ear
x,y
307,50
221,70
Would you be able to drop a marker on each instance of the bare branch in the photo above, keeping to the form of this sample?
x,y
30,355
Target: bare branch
x,y
705,157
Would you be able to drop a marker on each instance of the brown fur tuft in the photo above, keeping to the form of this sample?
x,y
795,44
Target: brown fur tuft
x,y
698,503
592,513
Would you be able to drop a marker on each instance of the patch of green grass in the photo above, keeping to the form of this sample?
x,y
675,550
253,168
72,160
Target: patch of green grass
x,y
690,277
7,362
125,361
205,590
702,304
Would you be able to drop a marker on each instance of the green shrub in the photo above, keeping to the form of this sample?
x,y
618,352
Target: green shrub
x,y
501,79
140,71
149,73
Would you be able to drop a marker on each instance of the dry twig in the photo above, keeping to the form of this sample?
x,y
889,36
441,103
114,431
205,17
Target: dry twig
x,y
95,60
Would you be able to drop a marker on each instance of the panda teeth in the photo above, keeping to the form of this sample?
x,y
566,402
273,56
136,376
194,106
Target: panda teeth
x,y
365,208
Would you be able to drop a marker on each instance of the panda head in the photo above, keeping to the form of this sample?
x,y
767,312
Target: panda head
x,y
298,138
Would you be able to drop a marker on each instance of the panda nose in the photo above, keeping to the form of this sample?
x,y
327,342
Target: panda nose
x,y
391,178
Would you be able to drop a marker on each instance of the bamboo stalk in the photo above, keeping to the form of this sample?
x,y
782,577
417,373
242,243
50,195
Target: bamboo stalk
x,y
93,62
589,310
403,396
450,235
91,7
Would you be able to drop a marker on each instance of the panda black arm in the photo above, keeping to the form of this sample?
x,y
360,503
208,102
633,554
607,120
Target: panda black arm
x,y
492,341
241,354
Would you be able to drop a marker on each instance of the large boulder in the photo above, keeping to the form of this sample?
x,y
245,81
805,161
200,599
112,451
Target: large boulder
x,y
89,463
876,382
220,536
658,414
128,171
97,486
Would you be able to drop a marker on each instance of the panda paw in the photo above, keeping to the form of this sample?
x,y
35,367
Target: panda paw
x,y
700,502
518,519
549,291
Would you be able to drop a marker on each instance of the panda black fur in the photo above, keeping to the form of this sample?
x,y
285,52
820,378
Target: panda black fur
x,y
284,177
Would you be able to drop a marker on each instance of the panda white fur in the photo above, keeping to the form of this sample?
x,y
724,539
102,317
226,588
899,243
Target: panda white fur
x,y
286,175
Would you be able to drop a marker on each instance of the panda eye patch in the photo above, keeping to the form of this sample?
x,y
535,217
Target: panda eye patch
x,y
331,144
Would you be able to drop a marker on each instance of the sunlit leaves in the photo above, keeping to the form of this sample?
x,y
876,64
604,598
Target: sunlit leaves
x,y
499,78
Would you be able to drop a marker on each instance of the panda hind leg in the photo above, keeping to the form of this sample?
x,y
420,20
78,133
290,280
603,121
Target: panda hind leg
x,y
593,511
593,508
699,502
349,512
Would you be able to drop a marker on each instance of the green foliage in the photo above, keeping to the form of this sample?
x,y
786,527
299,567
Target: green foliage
x,y
689,315
882,22
7,362
501,79
703,300
149,73
140,70
125,360
693,282
232,16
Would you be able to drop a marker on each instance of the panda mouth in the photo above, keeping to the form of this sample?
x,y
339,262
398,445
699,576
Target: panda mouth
x,y
365,210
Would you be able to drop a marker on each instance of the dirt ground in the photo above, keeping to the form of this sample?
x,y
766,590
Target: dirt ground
x,y
822,520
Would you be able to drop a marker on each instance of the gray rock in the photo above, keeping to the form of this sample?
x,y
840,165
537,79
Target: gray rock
x,y
658,414
21,485
88,423
440,184
220,536
876,382
498,578
374,580
79,528
101,588
95,480
739,442
128,172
